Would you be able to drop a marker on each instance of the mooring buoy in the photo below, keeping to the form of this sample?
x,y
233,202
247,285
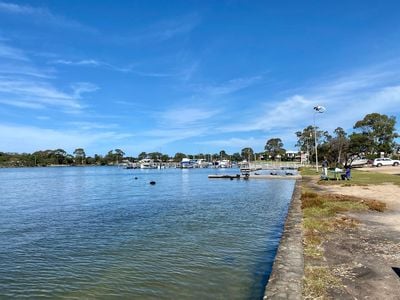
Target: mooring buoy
x,y
152,182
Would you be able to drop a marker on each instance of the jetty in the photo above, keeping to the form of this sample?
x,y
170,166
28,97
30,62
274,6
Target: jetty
x,y
225,176
253,176
275,170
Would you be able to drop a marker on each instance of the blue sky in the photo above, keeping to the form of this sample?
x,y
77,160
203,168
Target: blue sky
x,y
191,76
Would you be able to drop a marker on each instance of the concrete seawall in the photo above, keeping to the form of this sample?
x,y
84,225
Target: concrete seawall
x,y
286,279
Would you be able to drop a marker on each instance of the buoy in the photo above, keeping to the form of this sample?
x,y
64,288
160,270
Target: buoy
x,y
135,178
152,182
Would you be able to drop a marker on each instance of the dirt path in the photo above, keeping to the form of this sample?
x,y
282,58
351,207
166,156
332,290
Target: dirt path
x,y
367,257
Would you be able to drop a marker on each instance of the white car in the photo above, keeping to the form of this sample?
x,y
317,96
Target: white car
x,y
379,162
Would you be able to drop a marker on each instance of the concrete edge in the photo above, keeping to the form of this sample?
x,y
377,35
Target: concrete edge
x,y
286,279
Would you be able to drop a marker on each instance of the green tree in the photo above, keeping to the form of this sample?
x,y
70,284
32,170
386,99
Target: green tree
x,y
119,155
110,157
378,132
154,155
164,157
178,156
247,153
306,139
274,147
79,155
223,155
142,155
236,156
60,156
215,156
99,160
200,156
339,145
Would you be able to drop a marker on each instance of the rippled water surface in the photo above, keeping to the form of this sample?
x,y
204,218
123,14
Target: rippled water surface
x,y
96,232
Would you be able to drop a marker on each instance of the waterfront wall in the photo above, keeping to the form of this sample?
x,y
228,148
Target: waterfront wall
x,y
286,280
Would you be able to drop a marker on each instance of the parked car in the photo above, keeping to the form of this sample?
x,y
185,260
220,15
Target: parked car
x,y
379,162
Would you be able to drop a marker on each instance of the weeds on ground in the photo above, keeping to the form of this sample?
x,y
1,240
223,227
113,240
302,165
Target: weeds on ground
x,y
317,280
323,214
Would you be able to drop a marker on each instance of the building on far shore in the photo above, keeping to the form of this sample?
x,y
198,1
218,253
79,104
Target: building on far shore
x,y
293,155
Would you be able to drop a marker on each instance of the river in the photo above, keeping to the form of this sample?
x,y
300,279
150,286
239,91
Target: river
x,y
105,233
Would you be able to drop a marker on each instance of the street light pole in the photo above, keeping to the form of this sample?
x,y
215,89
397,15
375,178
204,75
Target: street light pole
x,y
318,109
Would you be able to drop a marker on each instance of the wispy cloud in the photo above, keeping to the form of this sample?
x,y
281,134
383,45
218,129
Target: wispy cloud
x,y
101,64
23,69
20,138
84,62
80,88
8,52
84,125
176,124
235,143
93,63
34,94
167,29
161,31
347,99
43,15
25,86
186,116
226,88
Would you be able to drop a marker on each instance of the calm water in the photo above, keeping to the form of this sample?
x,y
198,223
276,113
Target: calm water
x,y
99,233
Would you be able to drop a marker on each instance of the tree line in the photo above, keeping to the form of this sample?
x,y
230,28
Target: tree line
x,y
113,157
372,135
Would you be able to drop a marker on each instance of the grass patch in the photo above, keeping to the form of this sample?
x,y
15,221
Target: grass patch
x,y
357,177
305,171
317,280
322,215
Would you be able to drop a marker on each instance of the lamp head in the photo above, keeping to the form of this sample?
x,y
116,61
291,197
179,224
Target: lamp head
x,y
319,108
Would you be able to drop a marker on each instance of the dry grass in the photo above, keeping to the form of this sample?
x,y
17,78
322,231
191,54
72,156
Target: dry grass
x,y
317,280
323,214
375,205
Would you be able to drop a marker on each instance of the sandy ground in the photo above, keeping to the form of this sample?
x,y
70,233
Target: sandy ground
x,y
367,257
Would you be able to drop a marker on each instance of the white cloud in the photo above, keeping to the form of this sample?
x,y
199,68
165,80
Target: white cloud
x,y
23,69
236,143
124,69
23,85
84,125
83,87
17,92
162,31
8,52
228,87
185,116
347,99
84,62
18,138
43,15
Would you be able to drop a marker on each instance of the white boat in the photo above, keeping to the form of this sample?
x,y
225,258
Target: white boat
x,y
201,163
187,163
147,163
224,163
358,162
